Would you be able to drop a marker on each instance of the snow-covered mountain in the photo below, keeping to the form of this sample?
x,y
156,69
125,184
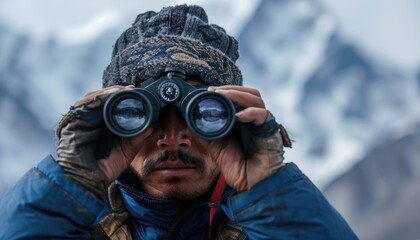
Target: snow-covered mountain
x,y
39,81
339,103
336,100
379,196
342,106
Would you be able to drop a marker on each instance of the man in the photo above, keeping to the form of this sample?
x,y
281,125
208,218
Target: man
x,y
166,182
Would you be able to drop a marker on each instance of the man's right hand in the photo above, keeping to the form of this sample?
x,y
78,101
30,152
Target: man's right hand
x,y
79,133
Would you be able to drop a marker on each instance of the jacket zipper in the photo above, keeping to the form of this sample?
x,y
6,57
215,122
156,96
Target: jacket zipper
x,y
131,192
181,219
172,231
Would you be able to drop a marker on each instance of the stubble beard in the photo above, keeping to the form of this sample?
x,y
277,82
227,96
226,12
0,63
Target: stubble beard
x,y
177,192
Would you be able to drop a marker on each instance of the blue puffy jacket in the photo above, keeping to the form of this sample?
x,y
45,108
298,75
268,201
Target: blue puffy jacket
x,y
47,204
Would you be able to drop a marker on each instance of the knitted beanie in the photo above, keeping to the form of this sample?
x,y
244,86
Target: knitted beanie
x,y
178,36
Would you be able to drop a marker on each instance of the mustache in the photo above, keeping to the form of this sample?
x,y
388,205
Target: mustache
x,y
184,157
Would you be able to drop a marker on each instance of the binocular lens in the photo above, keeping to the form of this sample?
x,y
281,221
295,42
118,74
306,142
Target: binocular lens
x,y
129,114
207,114
210,116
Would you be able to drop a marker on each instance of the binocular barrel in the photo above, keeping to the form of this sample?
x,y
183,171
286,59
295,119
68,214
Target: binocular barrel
x,y
209,115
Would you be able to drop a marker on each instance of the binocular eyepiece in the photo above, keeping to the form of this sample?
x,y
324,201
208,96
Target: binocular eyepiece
x,y
209,115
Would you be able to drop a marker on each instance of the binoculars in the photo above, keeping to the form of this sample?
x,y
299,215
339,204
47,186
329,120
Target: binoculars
x,y
208,115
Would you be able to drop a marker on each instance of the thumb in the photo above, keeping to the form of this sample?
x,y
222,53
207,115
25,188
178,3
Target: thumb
x,y
131,146
122,154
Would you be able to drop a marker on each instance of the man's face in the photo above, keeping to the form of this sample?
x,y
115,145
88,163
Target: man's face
x,y
174,163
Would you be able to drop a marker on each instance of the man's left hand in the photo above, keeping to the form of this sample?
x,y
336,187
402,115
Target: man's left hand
x,y
240,173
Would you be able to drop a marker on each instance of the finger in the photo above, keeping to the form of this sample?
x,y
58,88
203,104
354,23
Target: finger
x,y
242,98
122,155
252,114
111,89
96,98
138,140
252,91
132,145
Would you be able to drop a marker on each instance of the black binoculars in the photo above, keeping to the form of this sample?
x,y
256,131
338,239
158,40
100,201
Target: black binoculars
x,y
209,115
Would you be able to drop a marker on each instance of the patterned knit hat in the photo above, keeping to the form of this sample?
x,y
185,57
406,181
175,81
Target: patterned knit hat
x,y
177,36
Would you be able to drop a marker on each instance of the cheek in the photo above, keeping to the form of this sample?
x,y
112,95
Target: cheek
x,y
201,146
137,165
209,151
147,150
212,146
150,145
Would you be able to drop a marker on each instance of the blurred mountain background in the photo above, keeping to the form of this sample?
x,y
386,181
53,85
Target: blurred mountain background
x,y
343,78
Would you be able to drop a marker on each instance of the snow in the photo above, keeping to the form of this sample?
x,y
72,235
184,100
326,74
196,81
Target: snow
x,y
71,28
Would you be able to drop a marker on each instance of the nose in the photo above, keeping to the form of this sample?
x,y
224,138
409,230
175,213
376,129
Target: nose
x,y
174,133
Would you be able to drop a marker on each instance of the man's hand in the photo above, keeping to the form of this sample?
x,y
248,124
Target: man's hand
x,y
80,132
242,174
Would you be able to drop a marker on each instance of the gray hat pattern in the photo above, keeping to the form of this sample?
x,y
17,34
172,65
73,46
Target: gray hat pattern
x,y
177,36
